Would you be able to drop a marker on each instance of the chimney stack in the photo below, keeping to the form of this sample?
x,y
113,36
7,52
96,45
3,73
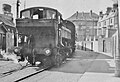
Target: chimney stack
x,y
76,14
7,10
115,5
100,13
108,10
91,12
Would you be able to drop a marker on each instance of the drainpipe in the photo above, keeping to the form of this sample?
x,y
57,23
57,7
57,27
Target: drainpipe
x,y
17,38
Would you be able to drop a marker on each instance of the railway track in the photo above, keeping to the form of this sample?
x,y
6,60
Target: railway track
x,y
30,75
22,74
12,71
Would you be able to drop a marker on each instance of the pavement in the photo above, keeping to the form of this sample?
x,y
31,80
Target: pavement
x,y
7,66
101,69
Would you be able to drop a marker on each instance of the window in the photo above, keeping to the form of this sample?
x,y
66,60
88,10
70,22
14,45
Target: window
x,y
96,39
60,32
99,24
115,19
87,39
26,14
111,21
35,16
91,39
104,22
51,14
38,14
59,19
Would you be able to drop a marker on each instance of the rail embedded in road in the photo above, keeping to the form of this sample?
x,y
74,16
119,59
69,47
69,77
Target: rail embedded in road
x,y
37,72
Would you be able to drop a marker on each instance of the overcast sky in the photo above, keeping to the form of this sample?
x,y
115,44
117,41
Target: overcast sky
x,y
66,7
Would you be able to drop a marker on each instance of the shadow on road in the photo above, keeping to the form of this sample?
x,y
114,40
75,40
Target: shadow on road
x,y
87,61
78,63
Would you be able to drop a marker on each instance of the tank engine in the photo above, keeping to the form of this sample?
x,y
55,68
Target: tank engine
x,y
44,36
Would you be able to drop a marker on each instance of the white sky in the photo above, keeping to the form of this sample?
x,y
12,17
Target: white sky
x,y
66,7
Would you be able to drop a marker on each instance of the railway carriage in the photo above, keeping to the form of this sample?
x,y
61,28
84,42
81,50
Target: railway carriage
x,y
44,36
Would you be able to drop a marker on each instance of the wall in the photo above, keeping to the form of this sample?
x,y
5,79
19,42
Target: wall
x,y
100,44
114,45
9,40
106,46
95,47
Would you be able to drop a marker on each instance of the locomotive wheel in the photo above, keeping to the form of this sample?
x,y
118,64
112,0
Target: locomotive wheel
x,y
30,60
46,62
70,52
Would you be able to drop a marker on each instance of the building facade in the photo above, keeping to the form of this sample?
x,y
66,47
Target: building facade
x,y
7,32
86,25
107,28
86,29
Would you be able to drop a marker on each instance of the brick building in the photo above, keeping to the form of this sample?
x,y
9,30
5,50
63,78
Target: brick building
x,y
107,28
7,31
85,23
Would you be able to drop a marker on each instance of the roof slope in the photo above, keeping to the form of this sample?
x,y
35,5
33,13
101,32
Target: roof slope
x,y
6,20
83,16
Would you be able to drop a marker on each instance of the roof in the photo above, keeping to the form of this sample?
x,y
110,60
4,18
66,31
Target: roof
x,y
41,8
107,16
7,20
84,16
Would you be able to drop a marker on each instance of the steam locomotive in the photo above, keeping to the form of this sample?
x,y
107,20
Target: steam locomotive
x,y
44,36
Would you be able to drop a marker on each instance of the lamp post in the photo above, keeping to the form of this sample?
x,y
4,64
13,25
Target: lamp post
x,y
117,56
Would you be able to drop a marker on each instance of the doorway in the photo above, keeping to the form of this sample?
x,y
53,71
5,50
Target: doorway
x,y
103,45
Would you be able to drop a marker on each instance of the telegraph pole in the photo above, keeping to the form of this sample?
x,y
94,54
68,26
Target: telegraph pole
x,y
17,7
17,16
24,4
117,56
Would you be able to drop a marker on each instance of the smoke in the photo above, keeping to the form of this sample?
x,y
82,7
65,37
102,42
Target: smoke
x,y
10,56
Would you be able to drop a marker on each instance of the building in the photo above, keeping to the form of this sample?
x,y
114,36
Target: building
x,y
86,29
107,28
7,31
86,25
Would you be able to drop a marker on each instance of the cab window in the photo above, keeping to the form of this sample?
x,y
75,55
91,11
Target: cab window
x,y
26,14
51,14
38,14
